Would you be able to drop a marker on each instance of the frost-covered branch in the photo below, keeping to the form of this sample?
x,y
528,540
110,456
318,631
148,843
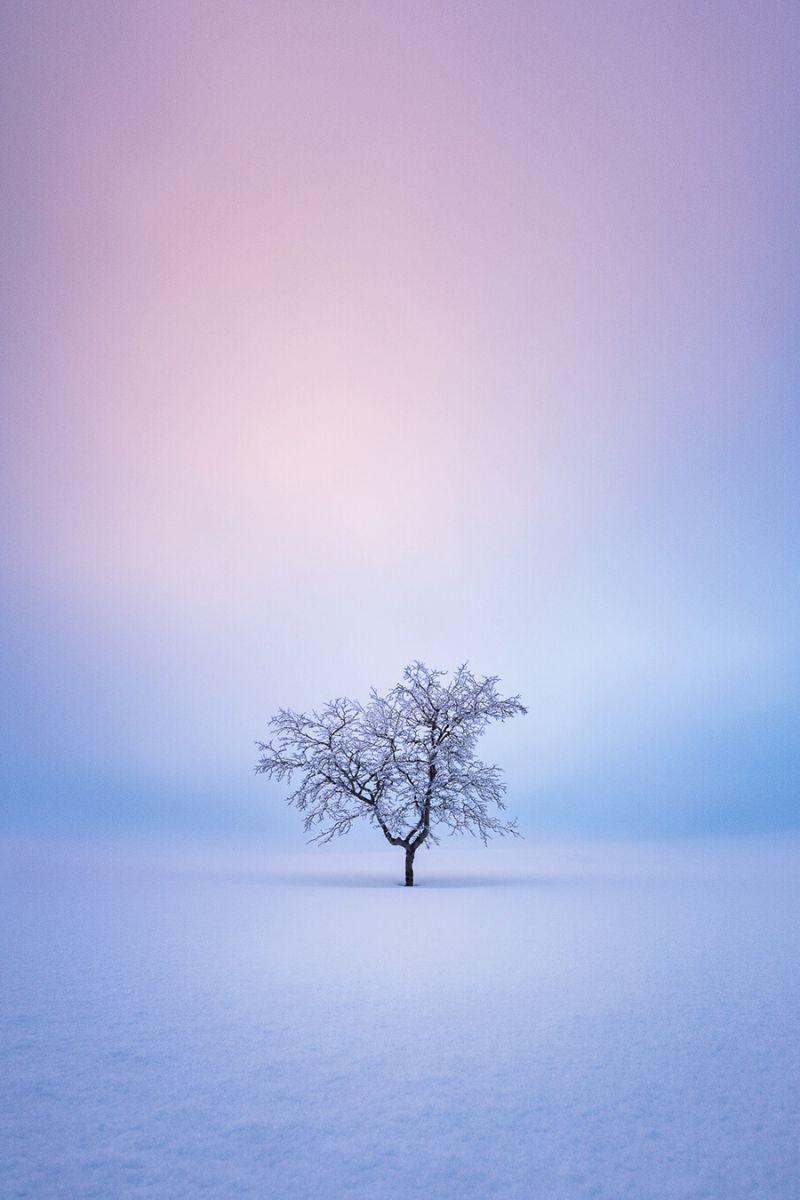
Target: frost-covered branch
x,y
405,761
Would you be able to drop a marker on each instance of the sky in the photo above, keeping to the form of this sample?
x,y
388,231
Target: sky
x,y
341,335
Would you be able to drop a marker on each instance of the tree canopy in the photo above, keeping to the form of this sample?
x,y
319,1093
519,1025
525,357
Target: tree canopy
x,y
405,761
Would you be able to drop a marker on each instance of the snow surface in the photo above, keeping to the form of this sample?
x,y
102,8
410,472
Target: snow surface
x,y
556,1022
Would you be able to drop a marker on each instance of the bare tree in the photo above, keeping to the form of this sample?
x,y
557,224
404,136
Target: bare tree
x,y
405,761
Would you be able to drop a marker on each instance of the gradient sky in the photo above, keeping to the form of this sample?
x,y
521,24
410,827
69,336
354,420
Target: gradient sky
x,y
338,335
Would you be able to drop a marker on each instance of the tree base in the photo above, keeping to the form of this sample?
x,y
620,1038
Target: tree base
x,y
409,868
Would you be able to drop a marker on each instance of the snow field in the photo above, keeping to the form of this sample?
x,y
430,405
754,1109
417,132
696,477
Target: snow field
x,y
558,1022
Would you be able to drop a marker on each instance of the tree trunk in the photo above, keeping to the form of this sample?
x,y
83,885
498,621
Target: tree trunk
x,y
410,866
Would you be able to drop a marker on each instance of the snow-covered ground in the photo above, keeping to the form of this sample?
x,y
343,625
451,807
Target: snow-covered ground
x,y
557,1022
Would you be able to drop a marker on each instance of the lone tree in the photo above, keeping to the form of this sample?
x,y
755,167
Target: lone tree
x,y
405,761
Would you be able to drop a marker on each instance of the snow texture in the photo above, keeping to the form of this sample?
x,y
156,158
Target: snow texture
x,y
562,1022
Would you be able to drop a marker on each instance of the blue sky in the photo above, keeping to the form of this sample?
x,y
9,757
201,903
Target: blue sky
x,y
340,339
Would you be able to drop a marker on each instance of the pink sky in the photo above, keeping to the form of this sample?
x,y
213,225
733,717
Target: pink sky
x,y
345,334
